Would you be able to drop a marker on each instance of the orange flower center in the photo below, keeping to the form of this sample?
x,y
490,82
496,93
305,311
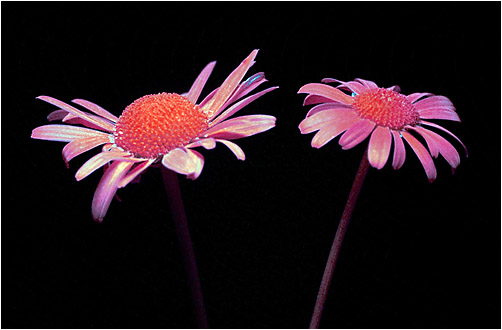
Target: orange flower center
x,y
386,108
155,124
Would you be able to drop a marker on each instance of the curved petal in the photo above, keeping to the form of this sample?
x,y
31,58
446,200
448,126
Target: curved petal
x,y
246,87
444,147
328,106
415,96
324,118
379,147
234,148
422,154
64,133
107,188
99,122
179,161
356,134
315,99
101,159
434,102
399,150
367,83
229,85
198,160
140,168
439,114
79,146
326,91
96,109
240,127
353,86
199,83
239,105
206,143
332,129
57,115
446,131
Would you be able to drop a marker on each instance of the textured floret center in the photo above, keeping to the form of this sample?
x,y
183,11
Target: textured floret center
x,y
155,124
386,108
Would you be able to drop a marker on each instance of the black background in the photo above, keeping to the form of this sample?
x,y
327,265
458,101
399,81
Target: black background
x,y
417,255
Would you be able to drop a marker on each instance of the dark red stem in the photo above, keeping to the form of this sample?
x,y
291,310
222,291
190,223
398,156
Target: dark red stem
x,y
337,242
180,220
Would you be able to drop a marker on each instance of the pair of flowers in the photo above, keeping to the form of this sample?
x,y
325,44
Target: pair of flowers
x,y
167,127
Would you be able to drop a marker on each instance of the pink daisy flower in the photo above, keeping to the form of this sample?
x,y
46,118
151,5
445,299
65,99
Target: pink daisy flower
x,y
384,115
156,128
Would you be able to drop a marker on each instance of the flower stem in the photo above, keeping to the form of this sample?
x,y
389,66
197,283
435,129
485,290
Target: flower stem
x,y
337,242
178,214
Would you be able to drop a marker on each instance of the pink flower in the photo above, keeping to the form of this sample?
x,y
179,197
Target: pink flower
x,y
383,114
157,128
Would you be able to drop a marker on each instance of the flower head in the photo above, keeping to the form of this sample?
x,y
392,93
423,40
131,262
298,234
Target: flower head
x,y
384,115
156,128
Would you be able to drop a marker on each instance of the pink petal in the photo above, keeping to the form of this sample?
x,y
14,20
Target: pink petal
x,y
206,143
315,99
324,118
353,86
379,147
72,119
434,102
447,131
328,106
234,148
64,133
443,146
229,85
198,160
140,168
79,146
326,91
179,161
422,154
399,151
415,96
199,83
101,159
369,84
246,87
439,113
57,115
239,105
431,143
240,127
333,128
356,134
107,188
101,123
96,109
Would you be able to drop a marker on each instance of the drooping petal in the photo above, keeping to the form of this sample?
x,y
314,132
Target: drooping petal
x,y
229,85
333,128
57,115
239,105
107,188
439,114
434,102
431,143
324,118
64,133
234,148
198,160
101,159
200,82
326,91
96,109
140,168
79,146
206,143
447,131
179,161
422,154
356,134
443,146
379,147
101,123
240,127
399,151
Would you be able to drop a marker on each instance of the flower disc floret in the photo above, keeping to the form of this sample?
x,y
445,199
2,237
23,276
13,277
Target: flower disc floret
x,y
386,108
155,124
